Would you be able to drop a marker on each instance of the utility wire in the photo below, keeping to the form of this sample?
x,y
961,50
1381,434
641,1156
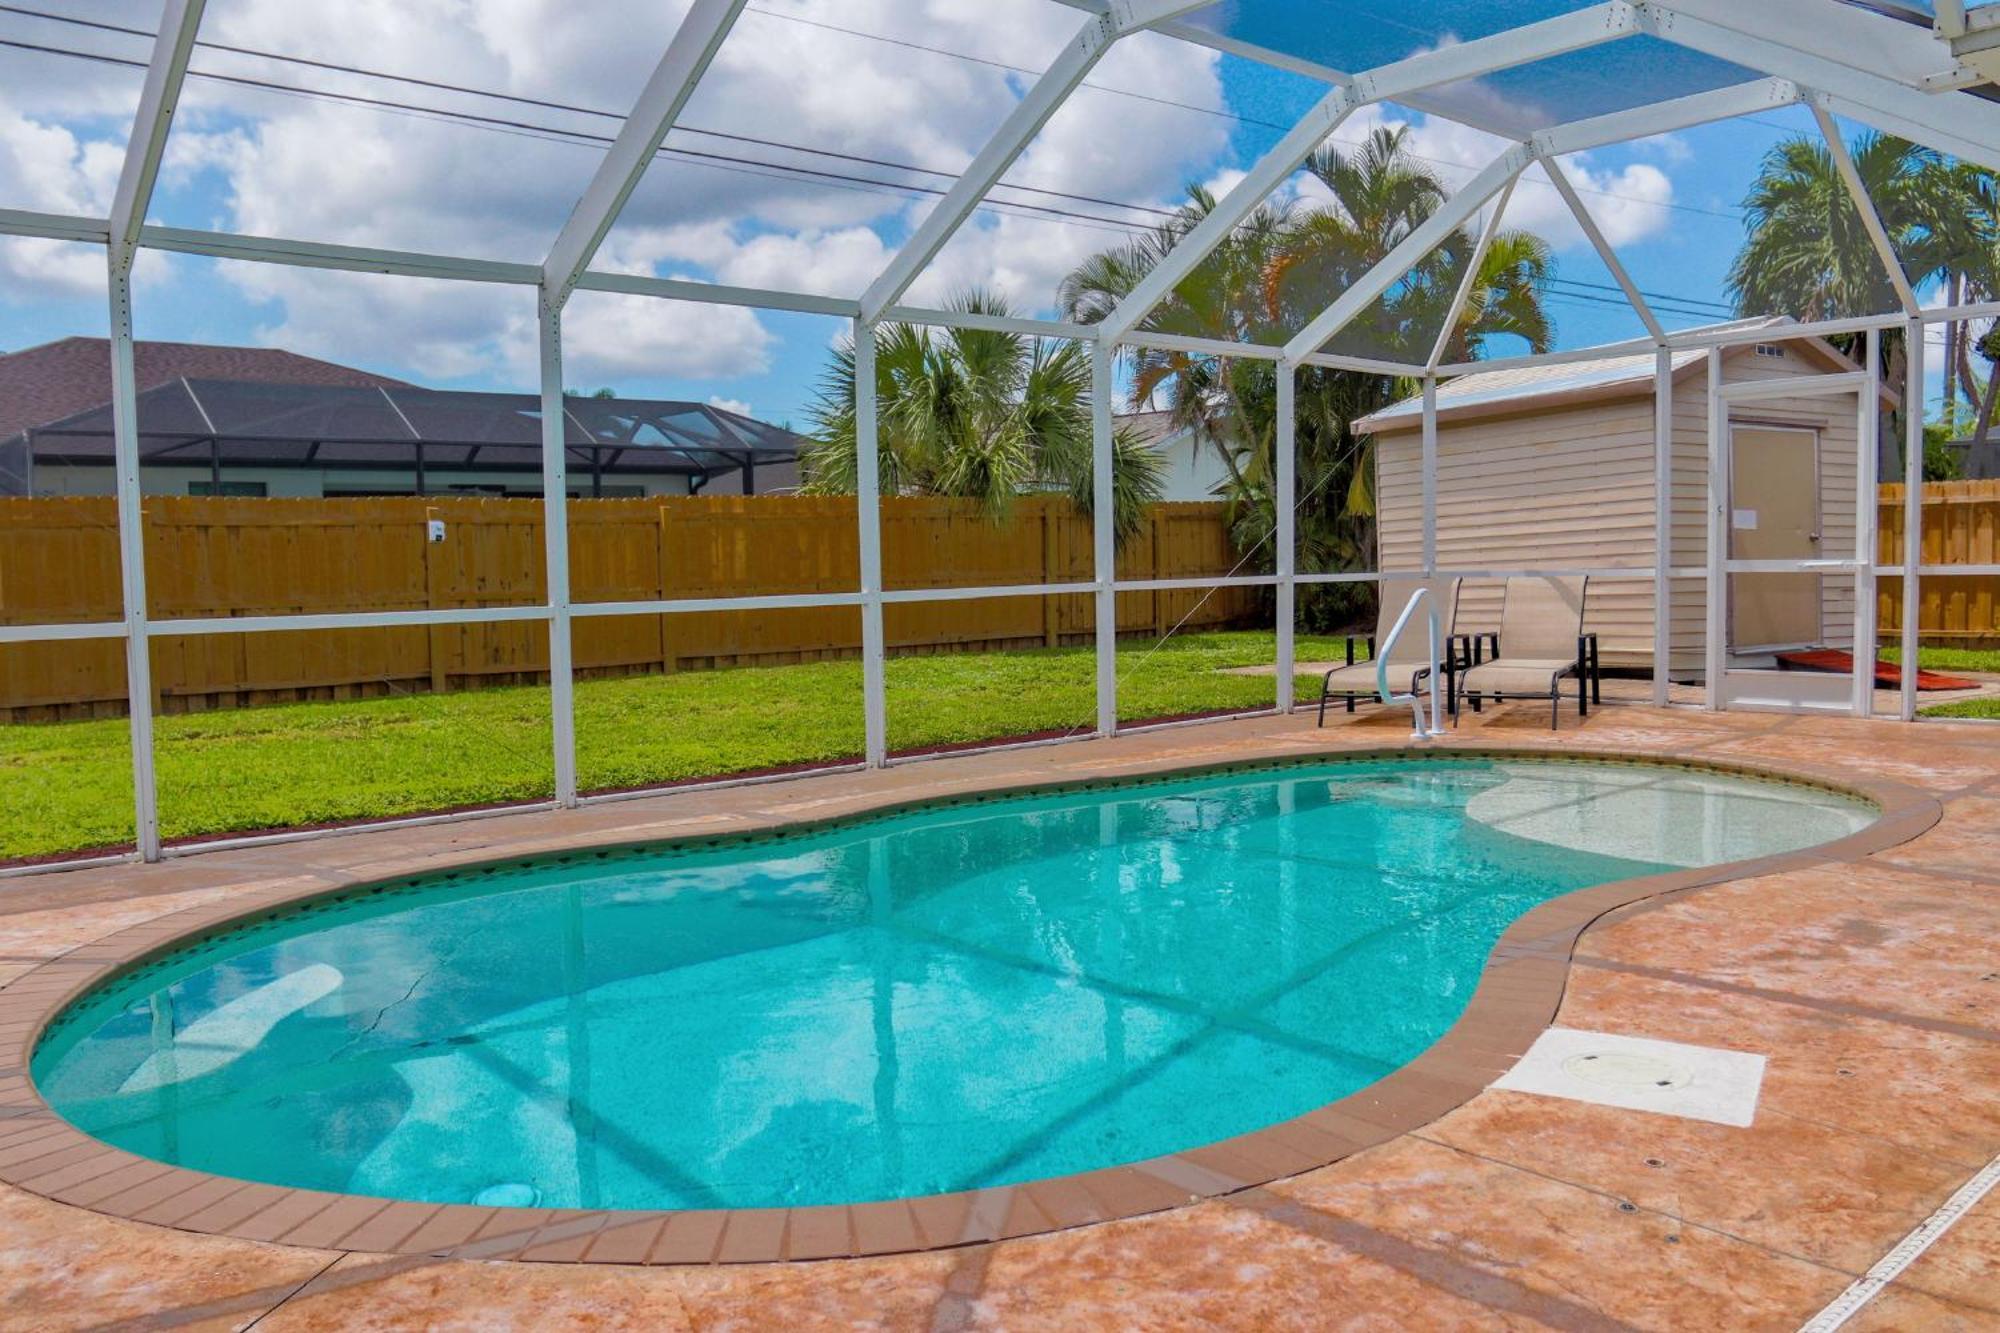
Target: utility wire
x,y
786,171
748,166
1231,116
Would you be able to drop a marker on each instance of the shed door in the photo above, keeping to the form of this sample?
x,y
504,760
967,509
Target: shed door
x,y
1774,515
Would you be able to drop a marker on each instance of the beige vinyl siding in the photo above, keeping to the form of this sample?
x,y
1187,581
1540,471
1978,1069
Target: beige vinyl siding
x,y
1570,486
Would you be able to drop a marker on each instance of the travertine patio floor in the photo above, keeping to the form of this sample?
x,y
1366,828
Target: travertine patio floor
x,y
1873,987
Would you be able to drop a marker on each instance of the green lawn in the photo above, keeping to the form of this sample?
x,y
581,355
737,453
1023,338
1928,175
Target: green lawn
x,y
66,786
1976,708
1950,659
1956,659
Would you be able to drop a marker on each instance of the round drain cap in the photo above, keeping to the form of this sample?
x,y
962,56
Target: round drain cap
x,y
511,1194
1628,1072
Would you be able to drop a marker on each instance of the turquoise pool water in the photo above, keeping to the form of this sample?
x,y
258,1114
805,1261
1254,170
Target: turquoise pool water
x,y
939,1000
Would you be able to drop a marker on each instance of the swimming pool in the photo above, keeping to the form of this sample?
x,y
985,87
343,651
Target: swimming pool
x,y
944,999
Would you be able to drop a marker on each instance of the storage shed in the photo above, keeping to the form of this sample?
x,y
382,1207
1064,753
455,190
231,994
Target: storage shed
x,y
1551,468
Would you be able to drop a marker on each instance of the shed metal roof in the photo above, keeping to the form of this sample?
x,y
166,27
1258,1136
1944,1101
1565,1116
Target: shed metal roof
x,y
1515,387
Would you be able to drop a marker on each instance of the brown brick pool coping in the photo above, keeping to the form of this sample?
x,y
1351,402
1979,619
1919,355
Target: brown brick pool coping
x,y
1516,999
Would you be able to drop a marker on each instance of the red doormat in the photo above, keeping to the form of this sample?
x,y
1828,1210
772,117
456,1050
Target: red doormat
x,y
1887,675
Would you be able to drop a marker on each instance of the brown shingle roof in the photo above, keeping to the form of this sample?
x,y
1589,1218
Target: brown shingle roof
x,y
47,383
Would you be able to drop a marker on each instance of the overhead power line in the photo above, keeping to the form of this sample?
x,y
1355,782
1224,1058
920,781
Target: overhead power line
x,y
1232,116
723,161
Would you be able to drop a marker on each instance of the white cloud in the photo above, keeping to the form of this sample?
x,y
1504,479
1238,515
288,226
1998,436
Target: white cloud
x,y
609,337
274,164
736,405
48,168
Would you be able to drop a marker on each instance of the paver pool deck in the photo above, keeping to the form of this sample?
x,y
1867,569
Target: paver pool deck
x,y
1870,983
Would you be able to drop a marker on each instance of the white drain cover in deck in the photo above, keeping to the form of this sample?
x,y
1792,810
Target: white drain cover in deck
x,y
1640,1074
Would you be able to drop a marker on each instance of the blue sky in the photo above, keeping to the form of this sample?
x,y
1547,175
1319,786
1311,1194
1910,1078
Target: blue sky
x,y
875,81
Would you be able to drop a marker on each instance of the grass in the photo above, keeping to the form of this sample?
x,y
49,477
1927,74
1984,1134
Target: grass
x,y
1973,708
1950,659
1955,659
66,787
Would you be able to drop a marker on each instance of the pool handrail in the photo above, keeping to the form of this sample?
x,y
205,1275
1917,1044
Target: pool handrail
x,y
1419,731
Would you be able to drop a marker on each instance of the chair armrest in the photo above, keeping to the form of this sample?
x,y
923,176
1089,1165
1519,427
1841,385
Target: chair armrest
x,y
1488,636
1350,647
1459,652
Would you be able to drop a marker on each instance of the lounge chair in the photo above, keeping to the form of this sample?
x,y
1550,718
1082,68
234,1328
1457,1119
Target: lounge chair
x,y
1410,661
1540,643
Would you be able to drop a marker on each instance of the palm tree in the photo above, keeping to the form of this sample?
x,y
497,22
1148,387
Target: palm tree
x,y
1268,279
1807,254
976,414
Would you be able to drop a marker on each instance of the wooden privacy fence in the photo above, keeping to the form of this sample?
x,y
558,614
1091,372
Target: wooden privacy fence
x,y
214,557
1961,527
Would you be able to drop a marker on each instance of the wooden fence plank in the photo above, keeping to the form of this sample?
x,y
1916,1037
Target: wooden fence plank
x,y
1961,527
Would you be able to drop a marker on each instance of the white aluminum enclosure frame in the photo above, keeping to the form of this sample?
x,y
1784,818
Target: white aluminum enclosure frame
x,y
1839,59
1866,386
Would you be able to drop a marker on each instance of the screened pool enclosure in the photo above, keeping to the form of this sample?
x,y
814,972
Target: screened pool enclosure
x,y
1540,84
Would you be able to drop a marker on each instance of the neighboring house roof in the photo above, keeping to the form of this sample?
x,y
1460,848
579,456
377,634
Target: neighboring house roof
x,y
1154,428
290,425
42,384
1519,388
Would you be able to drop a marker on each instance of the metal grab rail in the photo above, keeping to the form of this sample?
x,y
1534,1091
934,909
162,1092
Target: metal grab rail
x,y
1415,700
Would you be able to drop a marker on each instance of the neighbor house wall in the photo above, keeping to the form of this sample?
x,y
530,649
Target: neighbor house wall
x,y
1557,486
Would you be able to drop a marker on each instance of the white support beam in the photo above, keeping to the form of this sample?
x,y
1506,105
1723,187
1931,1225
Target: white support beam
x,y
1560,179
1104,541
1679,113
666,93
1284,503
1663,525
53,226
1068,70
966,319
132,560
1366,365
1463,296
1917,357
1867,517
158,97
1849,35
1449,64
1523,45
347,258
1871,217
1761,37
1207,36
555,550
1428,470
708,293
868,513
1136,15
1426,237
1950,18
1716,634
1269,172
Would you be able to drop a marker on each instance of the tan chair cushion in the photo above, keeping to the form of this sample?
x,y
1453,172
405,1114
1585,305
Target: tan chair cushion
x,y
1515,675
1542,617
1360,678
